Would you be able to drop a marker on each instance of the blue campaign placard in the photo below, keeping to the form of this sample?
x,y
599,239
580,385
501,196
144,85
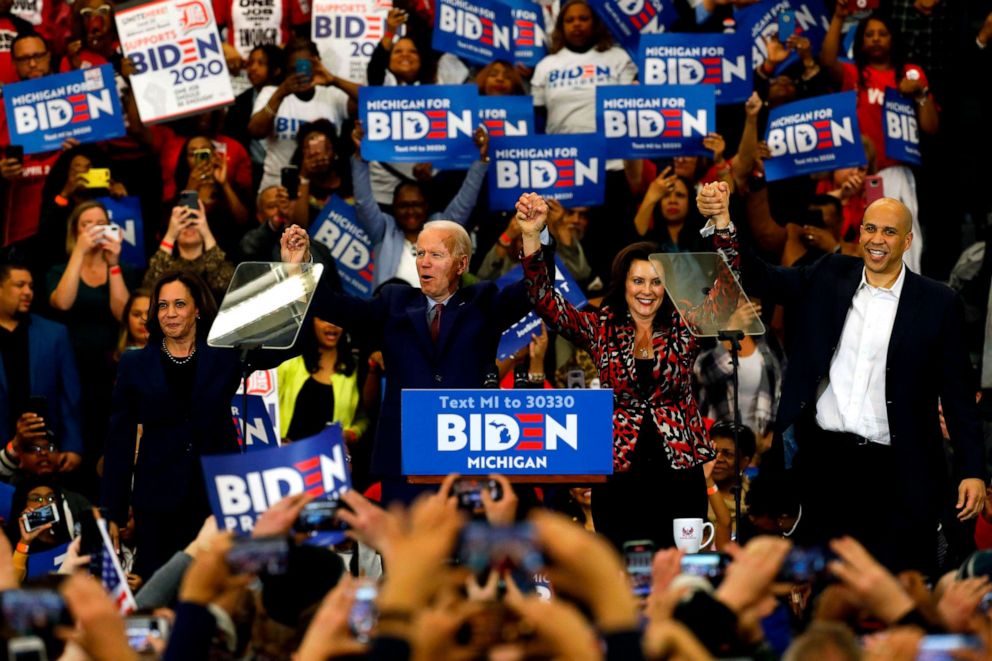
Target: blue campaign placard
x,y
46,562
336,227
513,432
418,123
720,60
6,500
261,432
479,31
125,212
530,43
814,135
42,113
242,486
629,19
507,116
760,21
647,121
902,132
518,335
570,168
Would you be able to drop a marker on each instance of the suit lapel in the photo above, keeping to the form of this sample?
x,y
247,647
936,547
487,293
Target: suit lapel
x,y
842,302
909,306
452,308
417,313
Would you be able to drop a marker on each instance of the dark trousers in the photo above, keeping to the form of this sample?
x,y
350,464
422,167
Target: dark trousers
x,y
641,503
853,487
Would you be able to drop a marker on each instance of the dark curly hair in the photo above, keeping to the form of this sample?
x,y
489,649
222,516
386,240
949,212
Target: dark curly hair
x,y
198,291
601,36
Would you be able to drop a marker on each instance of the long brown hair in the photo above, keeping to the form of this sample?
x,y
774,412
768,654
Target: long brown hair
x,y
615,296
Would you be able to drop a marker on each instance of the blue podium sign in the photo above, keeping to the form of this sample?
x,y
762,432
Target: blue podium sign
x,y
513,432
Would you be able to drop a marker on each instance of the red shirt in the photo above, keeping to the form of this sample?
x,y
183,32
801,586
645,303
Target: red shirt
x,y
169,145
871,102
7,33
21,205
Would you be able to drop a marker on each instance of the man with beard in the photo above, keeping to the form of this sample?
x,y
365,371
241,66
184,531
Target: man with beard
x,y
36,365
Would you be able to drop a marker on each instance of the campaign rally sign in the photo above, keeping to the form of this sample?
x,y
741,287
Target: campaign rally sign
x,y
265,384
760,21
647,121
720,60
47,562
478,31
6,500
902,133
530,42
570,168
514,432
242,486
629,19
261,434
346,33
507,116
814,135
177,55
125,212
42,113
518,335
418,123
337,228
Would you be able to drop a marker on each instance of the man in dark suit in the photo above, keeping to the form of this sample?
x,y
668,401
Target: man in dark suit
x,y
438,336
36,360
876,349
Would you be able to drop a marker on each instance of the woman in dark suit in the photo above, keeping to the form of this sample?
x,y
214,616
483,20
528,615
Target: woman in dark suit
x,y
179,391
644,352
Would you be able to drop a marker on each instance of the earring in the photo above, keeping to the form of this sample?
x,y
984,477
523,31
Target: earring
x,y
198,317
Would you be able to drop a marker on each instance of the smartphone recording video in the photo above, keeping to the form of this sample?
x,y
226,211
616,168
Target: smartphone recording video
x,y
257,555
320,516
468,491
637,557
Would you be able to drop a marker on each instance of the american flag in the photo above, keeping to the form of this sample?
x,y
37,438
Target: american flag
x,y
112,576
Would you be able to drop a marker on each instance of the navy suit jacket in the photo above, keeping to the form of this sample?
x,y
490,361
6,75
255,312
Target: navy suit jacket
x,y
174,436
52,370
396,320
927,360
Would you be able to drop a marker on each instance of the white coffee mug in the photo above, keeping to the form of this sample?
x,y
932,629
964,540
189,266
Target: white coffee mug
x,y
688,534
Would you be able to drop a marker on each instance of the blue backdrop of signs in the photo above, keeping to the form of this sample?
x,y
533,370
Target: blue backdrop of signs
x,y
6,499
125,212
529,39
261,433
720,60
629,19
761,20
337,228
242,486
418,123
814,135
518,335
478,31
570,168
902,133
514,432
47,562
507,116
45,112
646,121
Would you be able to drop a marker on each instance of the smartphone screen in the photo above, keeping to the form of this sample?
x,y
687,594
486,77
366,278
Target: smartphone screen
x,y
364,614
707,565
638,556
468,491
786,25
41,516
14,151
189,199
319,516
255,555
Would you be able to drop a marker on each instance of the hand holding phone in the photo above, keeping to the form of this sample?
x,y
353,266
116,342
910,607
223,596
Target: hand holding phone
x,y
874,188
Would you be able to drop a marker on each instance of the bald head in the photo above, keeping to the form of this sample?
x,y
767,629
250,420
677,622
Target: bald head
x,y
886,233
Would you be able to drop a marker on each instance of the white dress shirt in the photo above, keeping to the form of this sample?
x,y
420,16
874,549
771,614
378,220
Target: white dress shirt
x,y
854,400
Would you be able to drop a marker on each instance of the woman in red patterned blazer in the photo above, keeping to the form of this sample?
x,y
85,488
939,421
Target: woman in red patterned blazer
x,y
644,351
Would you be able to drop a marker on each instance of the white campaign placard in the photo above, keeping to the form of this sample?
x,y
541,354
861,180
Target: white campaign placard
x,y
346,32
177,55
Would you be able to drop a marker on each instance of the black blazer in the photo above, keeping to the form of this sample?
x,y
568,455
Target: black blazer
x,y
927,360
174,437
396,320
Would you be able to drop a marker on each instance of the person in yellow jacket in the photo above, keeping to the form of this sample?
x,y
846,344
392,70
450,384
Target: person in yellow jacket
x,y
320,387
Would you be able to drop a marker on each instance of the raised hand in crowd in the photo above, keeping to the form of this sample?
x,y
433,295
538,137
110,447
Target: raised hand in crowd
x,y
559,629
481,139
11,169
357,134
370,524
294,245
713,201
985,33
958,605
532,216
502,512
394,20
749,577
873,585
329,635
99,629
278,520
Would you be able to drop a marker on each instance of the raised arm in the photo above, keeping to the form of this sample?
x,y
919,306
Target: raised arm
x,y
831,44
460,209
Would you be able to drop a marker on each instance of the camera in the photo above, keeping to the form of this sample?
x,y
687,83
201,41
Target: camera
x,y
319,516
96,178
140,628
41,516
201,156
261,554
364,613
110,232
468,491
481,546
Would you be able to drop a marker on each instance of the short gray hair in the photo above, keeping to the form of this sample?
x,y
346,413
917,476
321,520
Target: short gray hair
x,y
461,243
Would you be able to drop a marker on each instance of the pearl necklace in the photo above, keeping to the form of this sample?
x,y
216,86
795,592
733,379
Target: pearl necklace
x,y
179,361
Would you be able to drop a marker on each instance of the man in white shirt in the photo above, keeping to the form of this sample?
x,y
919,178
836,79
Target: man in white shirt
x,y
875,349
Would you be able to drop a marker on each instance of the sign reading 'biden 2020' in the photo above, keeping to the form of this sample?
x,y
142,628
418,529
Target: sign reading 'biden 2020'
x,y
418,123
476,31
814,135
515,432
42,113
645,121
242,486
570,168
720,60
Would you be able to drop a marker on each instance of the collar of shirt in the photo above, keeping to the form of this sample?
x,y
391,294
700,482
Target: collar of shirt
x,y
895,291
431,303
